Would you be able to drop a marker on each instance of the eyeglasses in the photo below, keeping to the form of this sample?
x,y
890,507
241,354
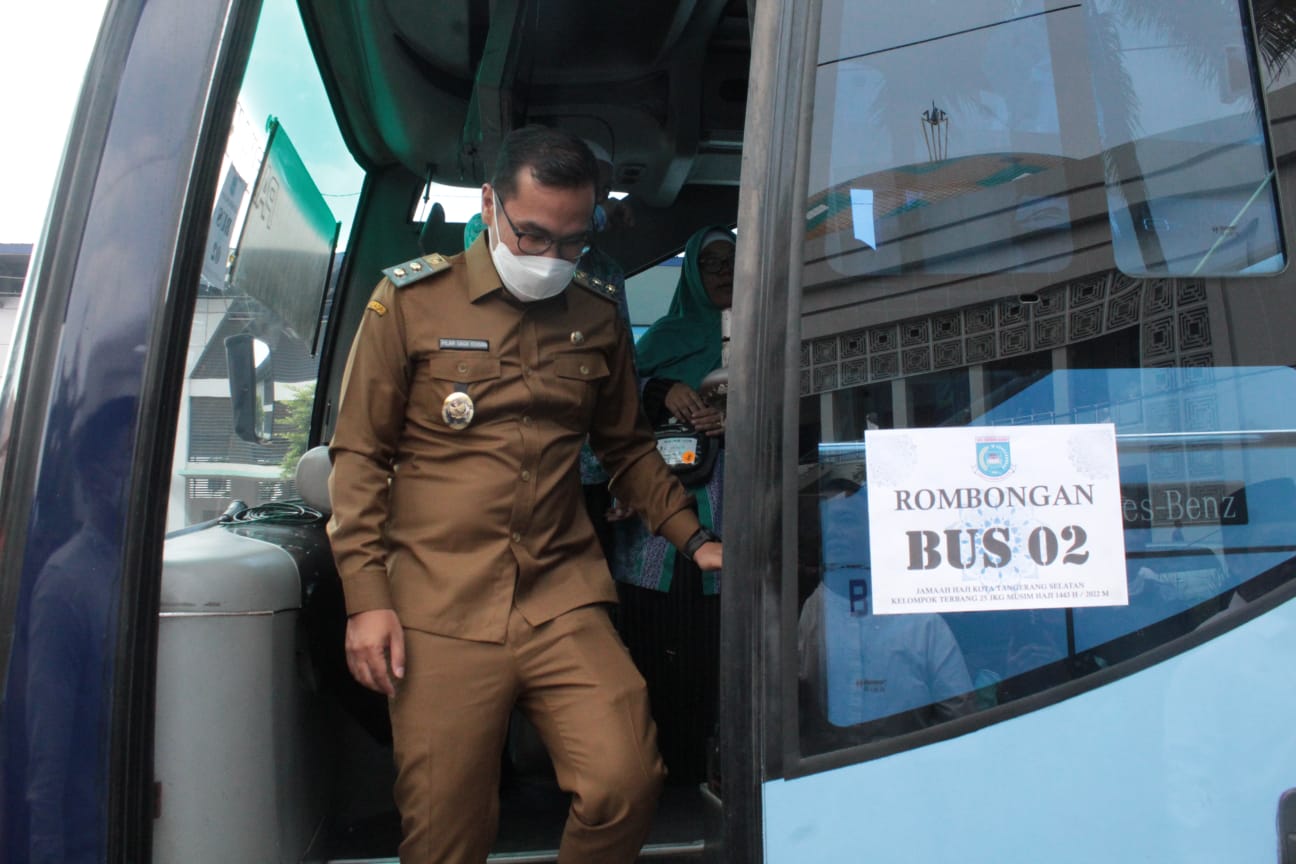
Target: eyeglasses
x,y
534,243
717,264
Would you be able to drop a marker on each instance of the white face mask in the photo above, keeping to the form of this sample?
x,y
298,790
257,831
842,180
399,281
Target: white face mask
x,y
528,277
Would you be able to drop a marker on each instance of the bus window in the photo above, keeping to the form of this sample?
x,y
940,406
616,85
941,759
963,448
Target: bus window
x,y
1032,216
287,179
979,123
1189,175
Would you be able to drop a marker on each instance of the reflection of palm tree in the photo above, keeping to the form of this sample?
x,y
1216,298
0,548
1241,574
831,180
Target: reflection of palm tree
x,y
1275,26
1180,27
1117,101
1117,105
1275,22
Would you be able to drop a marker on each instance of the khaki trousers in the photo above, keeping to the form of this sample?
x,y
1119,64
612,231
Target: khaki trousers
x,y
577,684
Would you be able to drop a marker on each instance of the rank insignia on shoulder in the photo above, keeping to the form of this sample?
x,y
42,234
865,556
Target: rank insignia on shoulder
x,y
416,269
601,287
375,306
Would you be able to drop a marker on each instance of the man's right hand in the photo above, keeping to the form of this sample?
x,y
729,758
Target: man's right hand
x,y
372,638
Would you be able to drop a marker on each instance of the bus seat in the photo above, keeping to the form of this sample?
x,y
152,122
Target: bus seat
x,y
325,611
312,478
438,235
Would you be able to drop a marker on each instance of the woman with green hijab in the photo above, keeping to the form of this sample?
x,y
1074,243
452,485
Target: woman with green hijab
x,y
673,357
670,611
684,345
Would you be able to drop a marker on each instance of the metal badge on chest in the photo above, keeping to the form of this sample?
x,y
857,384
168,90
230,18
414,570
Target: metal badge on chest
x,y
457,409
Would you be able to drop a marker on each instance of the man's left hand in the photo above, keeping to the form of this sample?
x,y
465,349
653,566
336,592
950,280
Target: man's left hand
x,y
709,556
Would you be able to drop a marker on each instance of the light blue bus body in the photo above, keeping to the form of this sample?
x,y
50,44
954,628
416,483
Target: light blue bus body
x,y
1183,761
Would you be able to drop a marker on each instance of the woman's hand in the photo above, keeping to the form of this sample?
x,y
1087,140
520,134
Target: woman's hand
x,y
682,401
685,405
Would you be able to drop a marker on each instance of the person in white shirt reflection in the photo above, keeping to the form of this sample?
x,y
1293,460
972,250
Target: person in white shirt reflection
x,y
863,667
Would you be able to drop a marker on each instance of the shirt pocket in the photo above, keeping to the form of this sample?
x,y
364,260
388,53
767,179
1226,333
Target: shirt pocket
x,y
578,378
476,374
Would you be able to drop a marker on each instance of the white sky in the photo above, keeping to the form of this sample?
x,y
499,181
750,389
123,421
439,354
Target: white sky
x,y
44,48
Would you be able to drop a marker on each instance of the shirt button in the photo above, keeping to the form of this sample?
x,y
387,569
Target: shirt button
x,y
584,370
462,367
517,538
526,420
526,475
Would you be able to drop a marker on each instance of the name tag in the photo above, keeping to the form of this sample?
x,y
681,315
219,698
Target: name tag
x,y
465,344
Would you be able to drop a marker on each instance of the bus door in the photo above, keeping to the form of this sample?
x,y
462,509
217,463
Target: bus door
x,y
1037,535
88,408
171,621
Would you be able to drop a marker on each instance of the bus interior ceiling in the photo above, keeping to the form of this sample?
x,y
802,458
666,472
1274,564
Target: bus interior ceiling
x,y
659,89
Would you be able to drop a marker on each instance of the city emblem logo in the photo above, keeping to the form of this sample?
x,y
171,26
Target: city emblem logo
x,y
993,457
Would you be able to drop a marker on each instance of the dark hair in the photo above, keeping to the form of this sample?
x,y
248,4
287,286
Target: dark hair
x,y
555,157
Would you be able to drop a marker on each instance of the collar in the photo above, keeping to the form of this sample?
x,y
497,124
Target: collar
x,y
483,279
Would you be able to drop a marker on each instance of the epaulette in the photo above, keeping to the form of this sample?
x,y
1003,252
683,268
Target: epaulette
x,y
415,269
601,287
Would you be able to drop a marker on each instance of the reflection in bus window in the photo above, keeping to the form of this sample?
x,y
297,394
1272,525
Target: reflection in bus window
x,y
1189,175
896,672
923,133
1008,119
930,302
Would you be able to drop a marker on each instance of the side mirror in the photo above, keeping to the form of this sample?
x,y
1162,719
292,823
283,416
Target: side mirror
x,y
247,360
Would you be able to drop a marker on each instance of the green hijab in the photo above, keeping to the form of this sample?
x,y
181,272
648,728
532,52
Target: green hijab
x,y
684,344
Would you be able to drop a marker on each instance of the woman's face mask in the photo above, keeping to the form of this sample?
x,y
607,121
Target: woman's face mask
x,y
528,277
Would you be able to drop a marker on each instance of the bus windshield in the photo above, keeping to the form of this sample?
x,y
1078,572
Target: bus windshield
x,y
1033,215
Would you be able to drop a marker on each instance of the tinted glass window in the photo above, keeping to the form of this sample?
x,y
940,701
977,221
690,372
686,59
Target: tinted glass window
x,y
995,115
1025,215
270,308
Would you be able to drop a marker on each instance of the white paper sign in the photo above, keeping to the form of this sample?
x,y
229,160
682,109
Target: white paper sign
x,y
222,226
995,517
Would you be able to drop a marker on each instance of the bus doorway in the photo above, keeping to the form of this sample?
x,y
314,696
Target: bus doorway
x,y
221,723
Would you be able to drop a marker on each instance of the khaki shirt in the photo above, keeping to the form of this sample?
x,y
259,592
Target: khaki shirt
x,y
452,528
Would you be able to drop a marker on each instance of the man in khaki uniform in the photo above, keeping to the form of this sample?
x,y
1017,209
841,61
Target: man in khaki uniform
x,y
472,575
